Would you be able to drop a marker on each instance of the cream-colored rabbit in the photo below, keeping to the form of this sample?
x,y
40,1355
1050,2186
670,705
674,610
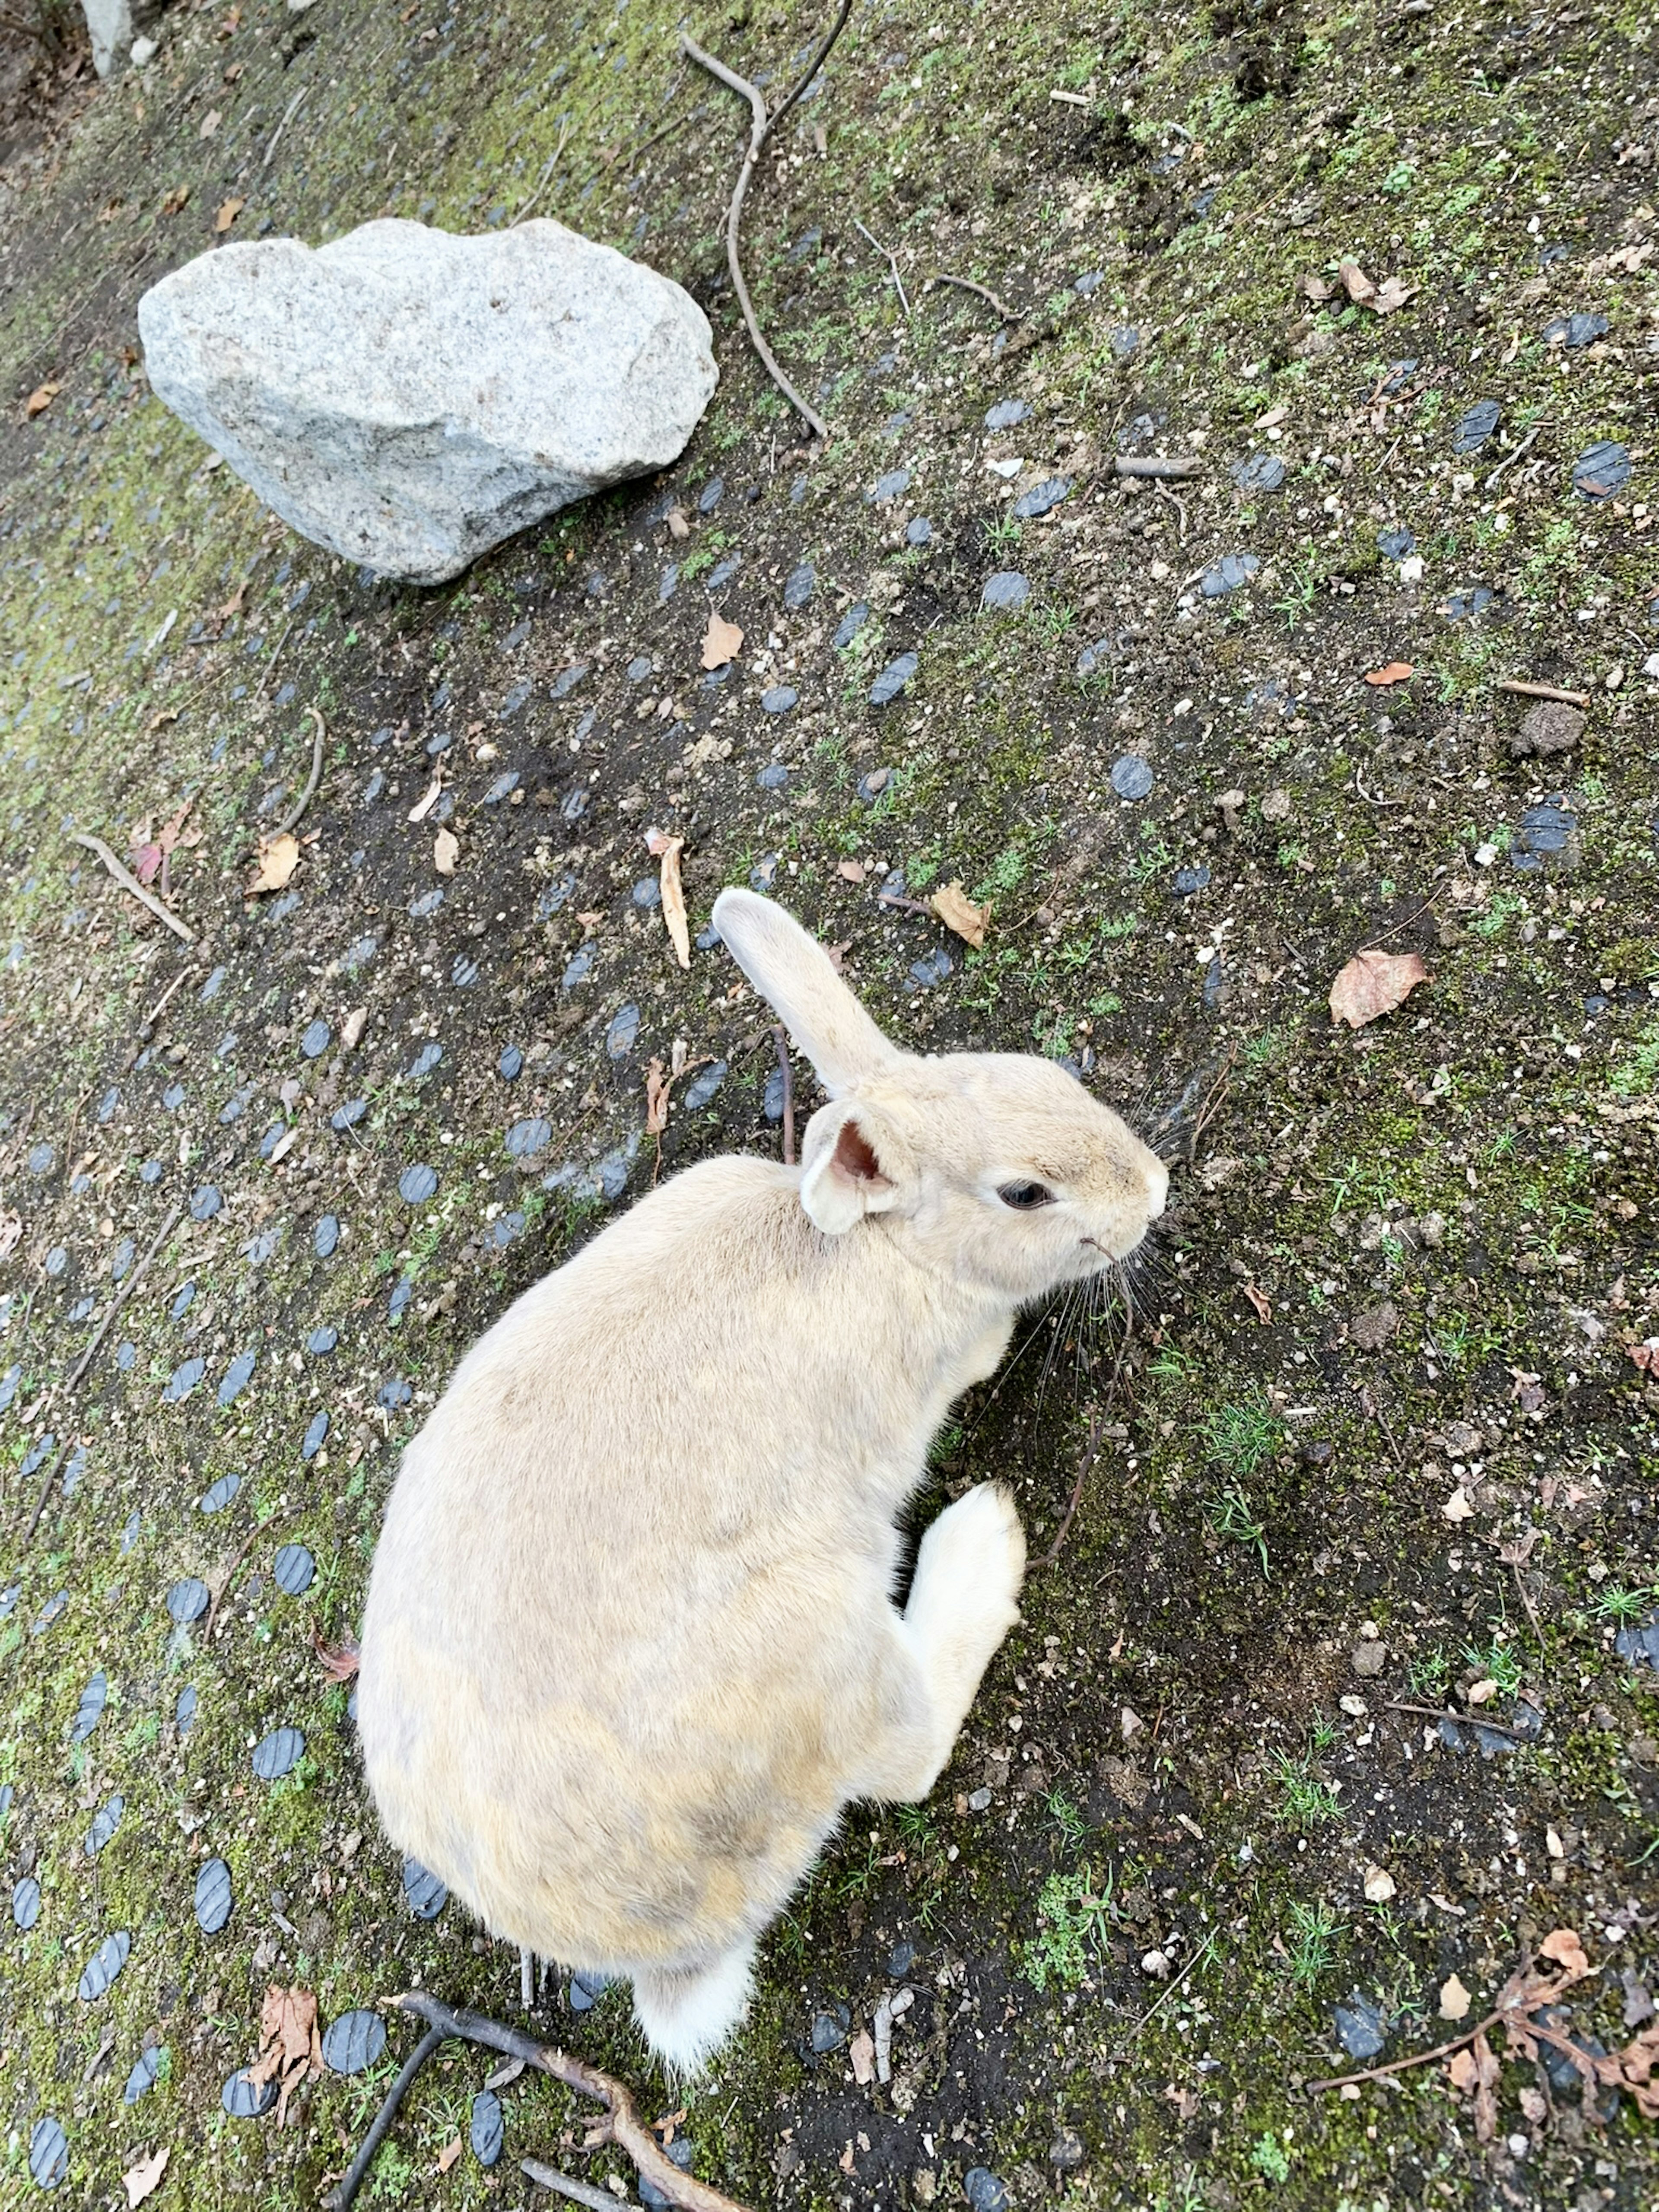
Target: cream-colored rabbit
x,y
629,1645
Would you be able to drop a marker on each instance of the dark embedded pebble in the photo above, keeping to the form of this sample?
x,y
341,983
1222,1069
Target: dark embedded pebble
x,y
90,1710
827,2032
348,1116
184,1713
1132,777
851,623
216,1499
510,1065
325,1236
1575,331
1006,414
1601,470
278,1753
1261,472
711,494
1476,426
104,1968
1474,601
984,2191
890,487
1360,2026
352,2043
528,1138
48,2154
393,1393
428,1057
648,893
586,1991
487,2130
800,587
105,1822
1544,832
932,968
315,1437
402,1290
1190,880
893,679
1227,574
703,1086
1040,499
578,969
1639,1645
416,1184
50,1612
773,777
680,2151
146,2067
213,1897
237,1377
247,2100
623,1032
1067,2151
1006,590
26,1903
292,1568
204,1203
315,1041
780,699
427,1895
919,530
188,1600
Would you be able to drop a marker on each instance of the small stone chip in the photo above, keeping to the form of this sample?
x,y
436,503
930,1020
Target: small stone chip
x,y
213,1897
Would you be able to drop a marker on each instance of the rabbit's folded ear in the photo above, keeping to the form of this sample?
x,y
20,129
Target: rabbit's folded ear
x,y
794,972
853,1162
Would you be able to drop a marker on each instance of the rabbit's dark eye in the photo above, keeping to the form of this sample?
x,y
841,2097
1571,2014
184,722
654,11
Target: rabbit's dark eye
x,y
1023,1196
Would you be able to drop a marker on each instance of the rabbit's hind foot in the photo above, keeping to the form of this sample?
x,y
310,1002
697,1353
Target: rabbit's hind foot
x,y
687,2013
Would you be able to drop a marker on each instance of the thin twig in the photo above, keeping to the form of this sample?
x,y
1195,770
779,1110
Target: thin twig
x,y
271,665
159,1007
782,1042
644,146
73,1379
1185,1974
229,1574
297,810
339,2198
1395,928
760,129
803,82
1176,501
129,882
621,2124
580,2192
541,181
1541,691
1421,2058
891,259
1155,466
27,1536
980,292
288,115
904,905
1434,1713
1214,1099
1510,460
1085,1466
1521,1591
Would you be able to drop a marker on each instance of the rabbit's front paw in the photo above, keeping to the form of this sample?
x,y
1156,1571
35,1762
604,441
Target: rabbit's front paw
x,y
968,1570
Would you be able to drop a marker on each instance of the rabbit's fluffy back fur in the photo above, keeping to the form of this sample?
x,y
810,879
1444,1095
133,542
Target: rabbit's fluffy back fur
x,y
628,1646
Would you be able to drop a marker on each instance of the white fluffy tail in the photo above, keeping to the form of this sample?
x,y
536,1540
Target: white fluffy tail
x,y
687,2013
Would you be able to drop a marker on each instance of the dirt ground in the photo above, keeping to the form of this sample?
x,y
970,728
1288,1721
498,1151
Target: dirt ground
x,y
1341,1691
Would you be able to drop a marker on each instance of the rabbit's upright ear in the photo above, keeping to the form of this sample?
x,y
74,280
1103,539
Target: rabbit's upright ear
x,y
793,971
853,1162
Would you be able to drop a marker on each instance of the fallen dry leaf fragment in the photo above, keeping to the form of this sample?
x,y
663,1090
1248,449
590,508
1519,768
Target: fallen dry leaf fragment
x,y
721,641
424,804
1258,1300
1391,293
228,215
1356,283
338,1660
862,2052
1457,1507
209,124
449,2153
1312,287
678,522
1379,1885
657,1088
39,399
850,871
1453,1999
274,863
957,911
143,2179
175,199
1396,672
289,2046
1564,1947
11,1230
351,1030
667,850
445,851
1373,984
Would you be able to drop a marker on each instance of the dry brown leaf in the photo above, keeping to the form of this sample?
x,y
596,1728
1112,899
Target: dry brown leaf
x,y
11,1231
274,863
1379,1885
1392,293
1313,287
39,399
862,2052
351,1029
449,2153
176,199
1396,672
668,849
678,522
228,215
1356,283
145,2179
850,871
957,911
110,209
338,1660
1273,417
1562,1946
289,2046
1453,1999
1373,984
445,851
1264,1312
721,641
209,124
657,1088
424,804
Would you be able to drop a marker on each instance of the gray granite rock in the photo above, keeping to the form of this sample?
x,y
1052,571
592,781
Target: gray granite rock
x,y
408,398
